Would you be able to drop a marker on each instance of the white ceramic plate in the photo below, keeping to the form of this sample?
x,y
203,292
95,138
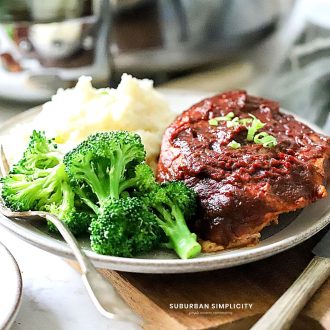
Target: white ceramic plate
x,y
10,288
293,229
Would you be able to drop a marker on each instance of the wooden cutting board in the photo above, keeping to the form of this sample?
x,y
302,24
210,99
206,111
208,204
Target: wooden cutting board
x,y
157,297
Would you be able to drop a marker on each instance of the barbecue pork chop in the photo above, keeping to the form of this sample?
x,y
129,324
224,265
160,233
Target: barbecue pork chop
x,y
243,190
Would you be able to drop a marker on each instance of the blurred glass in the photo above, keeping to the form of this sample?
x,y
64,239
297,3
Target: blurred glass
x,y
45,45
43,11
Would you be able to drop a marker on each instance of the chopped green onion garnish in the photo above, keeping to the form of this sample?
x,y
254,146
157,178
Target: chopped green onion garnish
x,y
233,123
252,124
255,126
245,121
227,117
267,141
213,122
259,137
234,145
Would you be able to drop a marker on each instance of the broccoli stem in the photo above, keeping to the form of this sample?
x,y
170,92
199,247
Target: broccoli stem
x,y
117,184
116,173
104,182
127,184
87,200
94,182
53,187
181,239
41,189
68,200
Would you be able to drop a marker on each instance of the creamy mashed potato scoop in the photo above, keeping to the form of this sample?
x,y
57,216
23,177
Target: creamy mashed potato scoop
x,y
73,114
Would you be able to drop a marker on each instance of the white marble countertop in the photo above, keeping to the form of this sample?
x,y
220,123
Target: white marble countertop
x,y
54,297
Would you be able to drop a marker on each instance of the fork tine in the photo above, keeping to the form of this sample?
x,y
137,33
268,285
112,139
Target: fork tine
x,y
4,166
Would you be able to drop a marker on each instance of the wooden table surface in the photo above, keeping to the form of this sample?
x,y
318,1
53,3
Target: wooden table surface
x,y
157,298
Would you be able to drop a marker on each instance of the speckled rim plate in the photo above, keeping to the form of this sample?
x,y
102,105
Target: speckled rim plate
x,y
10,288
291,231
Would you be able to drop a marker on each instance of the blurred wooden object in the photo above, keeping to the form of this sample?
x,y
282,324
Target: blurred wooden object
x,y
260,283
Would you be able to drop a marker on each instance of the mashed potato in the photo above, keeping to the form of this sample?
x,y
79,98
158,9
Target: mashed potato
x,y
73,114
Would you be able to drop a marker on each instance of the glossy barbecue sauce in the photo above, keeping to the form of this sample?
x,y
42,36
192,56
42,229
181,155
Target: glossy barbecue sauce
x,y
242,190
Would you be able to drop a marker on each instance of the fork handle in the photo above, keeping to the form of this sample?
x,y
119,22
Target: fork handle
x,y
103,294
282,314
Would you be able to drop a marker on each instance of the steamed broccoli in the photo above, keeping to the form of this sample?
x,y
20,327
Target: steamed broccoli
x,y
72,213
142,180
41,153
104,185
124,227
105,170
108,164
77,221
23,192
173,203
39,182
37,179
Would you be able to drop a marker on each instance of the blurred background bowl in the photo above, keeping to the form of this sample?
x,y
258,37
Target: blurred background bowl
x,y
46,45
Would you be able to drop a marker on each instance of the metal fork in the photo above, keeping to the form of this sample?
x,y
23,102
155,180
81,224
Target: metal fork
x,y
103,294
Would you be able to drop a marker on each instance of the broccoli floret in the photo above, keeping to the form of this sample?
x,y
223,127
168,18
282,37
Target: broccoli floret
x,y
46,190
41,153
142,180
104,186
23,192
77,221
124,227
39,182
71,212
173,203
184,197
106,164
